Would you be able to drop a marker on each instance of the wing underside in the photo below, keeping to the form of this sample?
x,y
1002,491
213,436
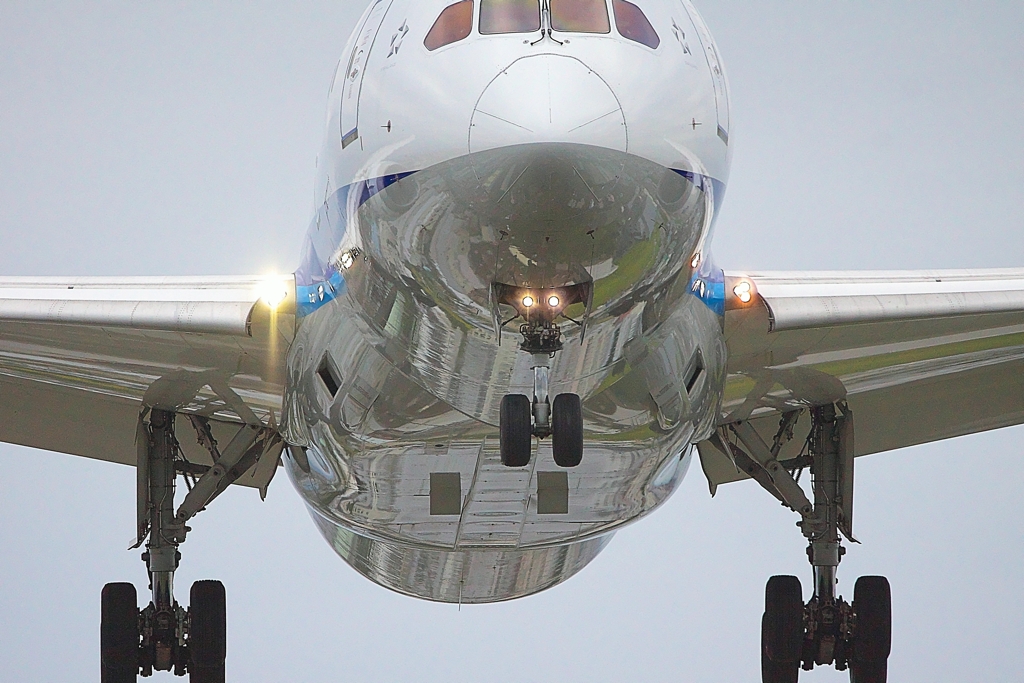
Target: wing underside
x,y
81,358
917,356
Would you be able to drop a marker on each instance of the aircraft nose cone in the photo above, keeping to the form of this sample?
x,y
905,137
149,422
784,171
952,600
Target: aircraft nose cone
x,y
547,98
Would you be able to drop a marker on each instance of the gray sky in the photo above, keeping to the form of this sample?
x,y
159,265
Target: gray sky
x,y
159,138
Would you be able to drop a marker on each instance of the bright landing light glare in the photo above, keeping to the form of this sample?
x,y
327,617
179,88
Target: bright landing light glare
x,y
744,292
528,301
553,301
273,292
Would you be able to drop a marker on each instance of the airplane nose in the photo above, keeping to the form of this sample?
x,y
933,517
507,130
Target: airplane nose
x,y
547,98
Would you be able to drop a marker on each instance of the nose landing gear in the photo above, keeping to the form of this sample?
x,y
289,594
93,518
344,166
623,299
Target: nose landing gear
x,y
520,418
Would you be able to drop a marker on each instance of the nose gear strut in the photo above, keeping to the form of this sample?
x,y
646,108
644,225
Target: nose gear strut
x,y
541,404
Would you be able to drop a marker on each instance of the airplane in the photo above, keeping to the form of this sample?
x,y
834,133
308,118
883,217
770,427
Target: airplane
x,y
981,310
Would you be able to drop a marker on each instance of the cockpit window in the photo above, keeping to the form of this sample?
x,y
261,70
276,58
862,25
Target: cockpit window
x,y
632,24
454,24
509,16
580,16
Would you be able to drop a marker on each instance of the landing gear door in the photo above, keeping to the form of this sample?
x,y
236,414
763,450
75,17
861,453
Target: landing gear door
x,y
717,71
356,68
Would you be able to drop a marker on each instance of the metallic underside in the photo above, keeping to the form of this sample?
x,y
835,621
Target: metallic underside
x,y
474,575
400,465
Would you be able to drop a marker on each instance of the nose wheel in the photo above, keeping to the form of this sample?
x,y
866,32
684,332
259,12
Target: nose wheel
x,y
564,426
567,430
516,431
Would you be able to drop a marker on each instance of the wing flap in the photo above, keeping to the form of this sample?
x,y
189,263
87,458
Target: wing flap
x,y
197,305
814,300
175,316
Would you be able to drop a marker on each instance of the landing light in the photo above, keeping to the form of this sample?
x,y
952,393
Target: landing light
x,y
273,292
695,261
744,292
528,301
553,301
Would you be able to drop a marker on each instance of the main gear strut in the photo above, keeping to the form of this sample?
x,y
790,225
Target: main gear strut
x,y
827,630
164,636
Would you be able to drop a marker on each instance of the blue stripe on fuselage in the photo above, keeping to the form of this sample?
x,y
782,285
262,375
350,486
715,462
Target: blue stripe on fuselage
x,y
313,296
708,284
318,282
707,185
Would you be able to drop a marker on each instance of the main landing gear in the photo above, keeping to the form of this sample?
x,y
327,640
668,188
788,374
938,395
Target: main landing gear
x,y
827,630
164,636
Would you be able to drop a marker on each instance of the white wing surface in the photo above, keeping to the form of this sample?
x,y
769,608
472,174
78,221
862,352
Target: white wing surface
x,y
917,355
81,357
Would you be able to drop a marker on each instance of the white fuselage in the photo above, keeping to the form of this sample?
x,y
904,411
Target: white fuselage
x,y
539,159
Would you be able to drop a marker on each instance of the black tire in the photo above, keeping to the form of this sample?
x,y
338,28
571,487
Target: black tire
x,y
208,641
872,603
868,672
119,634
770,671
516,430
567,430
783,635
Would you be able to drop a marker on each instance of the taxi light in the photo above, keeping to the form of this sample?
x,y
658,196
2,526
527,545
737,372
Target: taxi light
x,y
347,260
695,261
553,301
528,301
744,292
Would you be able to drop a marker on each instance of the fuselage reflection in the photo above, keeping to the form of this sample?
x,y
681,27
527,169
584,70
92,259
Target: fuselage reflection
x,y
539,145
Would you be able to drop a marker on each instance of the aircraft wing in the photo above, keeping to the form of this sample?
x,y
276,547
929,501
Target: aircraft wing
x,y
80,358
917,356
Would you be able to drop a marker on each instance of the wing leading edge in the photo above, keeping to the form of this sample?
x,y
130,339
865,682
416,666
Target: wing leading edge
x,y
917,355
80,358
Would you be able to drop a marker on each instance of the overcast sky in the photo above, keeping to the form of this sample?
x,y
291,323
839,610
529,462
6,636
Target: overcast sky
x,y
160,138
